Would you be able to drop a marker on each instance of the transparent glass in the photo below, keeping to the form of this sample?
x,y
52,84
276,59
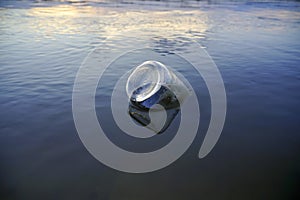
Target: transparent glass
x,y
153,82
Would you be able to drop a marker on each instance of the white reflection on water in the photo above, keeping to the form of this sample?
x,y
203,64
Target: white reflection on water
x,y
68,20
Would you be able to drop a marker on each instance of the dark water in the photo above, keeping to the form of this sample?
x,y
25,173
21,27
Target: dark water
x,y
256,47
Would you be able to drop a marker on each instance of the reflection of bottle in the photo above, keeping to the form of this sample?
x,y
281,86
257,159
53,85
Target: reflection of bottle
x,y
141,117
153,83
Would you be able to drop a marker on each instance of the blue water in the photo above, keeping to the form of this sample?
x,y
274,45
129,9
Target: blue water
x,y
255,45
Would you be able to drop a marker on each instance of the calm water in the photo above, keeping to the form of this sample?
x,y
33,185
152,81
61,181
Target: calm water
x,y
255,45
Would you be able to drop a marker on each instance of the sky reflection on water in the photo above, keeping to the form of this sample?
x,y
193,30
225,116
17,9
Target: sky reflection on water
x,y
255,45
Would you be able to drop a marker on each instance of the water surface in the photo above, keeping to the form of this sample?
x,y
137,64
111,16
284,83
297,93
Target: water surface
x,y
256,47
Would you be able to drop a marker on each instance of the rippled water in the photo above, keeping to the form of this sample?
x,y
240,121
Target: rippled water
x,y
255,45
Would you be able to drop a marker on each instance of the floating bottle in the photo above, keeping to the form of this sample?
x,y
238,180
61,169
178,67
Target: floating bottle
x,y
154,83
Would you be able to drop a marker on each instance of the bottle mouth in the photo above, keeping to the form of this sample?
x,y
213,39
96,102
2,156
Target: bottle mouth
x,y
144,92
145,81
